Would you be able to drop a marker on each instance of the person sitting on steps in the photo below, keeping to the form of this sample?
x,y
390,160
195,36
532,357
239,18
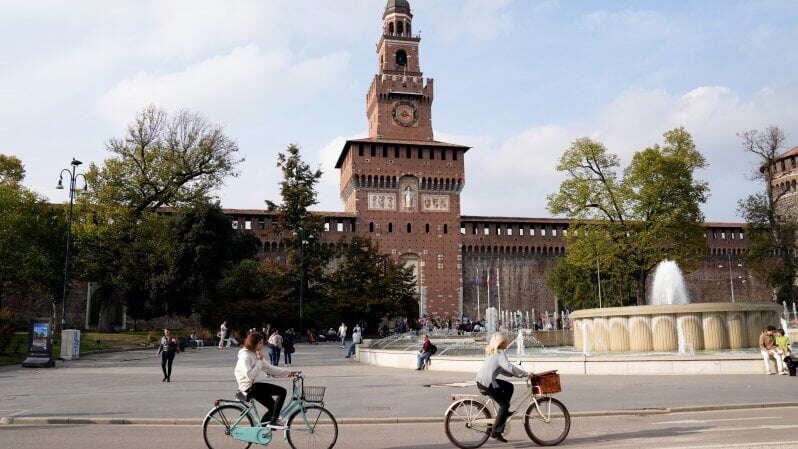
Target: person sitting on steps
x,y
499,390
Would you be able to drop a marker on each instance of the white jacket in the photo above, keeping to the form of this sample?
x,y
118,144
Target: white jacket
x,y
250,370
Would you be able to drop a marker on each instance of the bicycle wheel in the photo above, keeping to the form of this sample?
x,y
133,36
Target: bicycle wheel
x,y
468,424
320,431
216,427
549,423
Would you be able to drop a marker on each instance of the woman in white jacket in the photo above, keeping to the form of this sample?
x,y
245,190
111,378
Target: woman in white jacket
x,y
251,371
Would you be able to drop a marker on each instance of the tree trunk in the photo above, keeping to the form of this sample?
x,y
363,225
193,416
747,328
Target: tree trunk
x,y
105,322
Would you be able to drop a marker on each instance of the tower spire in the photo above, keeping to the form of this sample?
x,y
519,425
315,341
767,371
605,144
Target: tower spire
x,y
399,101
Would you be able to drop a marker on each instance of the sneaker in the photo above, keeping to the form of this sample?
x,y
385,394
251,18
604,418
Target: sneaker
x,y
770,374
498,437
277,424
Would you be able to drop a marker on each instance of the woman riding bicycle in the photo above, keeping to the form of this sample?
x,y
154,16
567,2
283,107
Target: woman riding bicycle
x,y
251,372
500,390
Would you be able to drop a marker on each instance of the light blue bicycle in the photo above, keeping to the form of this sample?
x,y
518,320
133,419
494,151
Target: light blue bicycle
x,y
235,423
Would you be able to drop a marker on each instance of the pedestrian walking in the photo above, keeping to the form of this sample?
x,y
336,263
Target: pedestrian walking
x,y
288,346
276,344
342,334
167,350
222,334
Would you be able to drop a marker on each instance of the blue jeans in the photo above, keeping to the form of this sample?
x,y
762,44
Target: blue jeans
x,y
421,359
343,340
275,356
287,356
351,349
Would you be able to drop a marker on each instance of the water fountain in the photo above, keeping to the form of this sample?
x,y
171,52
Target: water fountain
x,y
671,323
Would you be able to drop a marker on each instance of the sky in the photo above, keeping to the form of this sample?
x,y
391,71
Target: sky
x,y
518,81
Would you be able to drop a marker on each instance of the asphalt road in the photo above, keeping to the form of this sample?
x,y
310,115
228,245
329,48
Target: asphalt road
x,y
760,428
129,385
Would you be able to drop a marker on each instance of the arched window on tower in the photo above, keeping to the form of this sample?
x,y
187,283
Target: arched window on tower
x,y
408,29
400,28
390,28
401,58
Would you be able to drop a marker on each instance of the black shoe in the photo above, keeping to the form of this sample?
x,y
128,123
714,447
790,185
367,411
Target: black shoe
x,y
168,379
164,380
498,437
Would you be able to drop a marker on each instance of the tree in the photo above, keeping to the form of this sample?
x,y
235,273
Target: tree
x,y
252,292
205,246
629,223
300,230
32,236
770,225
11,170
367,286
162,161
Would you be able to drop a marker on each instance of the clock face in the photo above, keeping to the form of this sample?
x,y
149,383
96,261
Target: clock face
x,y
405,113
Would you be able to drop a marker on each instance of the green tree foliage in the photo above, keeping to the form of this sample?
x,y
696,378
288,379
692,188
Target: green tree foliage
x,y
205,246
367,285
628,222
771,228
32,238
300,230
11,170
162,161
252,293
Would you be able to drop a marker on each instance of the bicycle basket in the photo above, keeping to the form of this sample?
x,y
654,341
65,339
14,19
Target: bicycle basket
x,y
313,394
547,384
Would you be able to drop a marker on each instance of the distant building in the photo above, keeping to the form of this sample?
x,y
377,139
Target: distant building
x,y
401,188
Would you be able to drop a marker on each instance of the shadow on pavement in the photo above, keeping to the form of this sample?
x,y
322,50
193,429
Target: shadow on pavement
x,y
656,433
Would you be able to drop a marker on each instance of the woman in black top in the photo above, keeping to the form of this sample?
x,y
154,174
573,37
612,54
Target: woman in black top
x,y
167,349
288,345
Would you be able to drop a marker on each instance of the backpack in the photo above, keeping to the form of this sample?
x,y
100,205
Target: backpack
x,y
432,349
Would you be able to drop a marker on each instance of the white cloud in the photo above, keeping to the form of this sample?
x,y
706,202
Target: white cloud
x,y
232,85
514,177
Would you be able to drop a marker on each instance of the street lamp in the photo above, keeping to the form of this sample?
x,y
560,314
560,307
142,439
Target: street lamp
x,y
731,278
73,177
302,242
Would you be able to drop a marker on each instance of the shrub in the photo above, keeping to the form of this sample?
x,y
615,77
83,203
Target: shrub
x,y
6,330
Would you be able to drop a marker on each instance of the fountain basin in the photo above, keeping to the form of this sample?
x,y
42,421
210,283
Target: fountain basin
x,y
672,328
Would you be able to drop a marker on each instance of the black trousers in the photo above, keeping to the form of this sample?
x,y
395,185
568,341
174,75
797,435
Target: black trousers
x,y
263,393
166,363
502,395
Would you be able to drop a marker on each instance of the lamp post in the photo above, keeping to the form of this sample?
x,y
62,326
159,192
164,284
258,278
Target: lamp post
x,y
72,181
302,243
731,278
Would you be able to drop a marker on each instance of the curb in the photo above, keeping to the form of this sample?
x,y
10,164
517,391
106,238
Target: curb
x,y
13,420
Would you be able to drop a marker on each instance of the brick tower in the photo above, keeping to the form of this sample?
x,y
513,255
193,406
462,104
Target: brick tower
x,y
403,186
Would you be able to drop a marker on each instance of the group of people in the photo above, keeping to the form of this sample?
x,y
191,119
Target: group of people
x,y
357,338
252,372
773,343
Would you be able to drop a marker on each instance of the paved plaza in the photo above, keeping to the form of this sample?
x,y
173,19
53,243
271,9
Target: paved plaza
x,y
765,428
128,384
